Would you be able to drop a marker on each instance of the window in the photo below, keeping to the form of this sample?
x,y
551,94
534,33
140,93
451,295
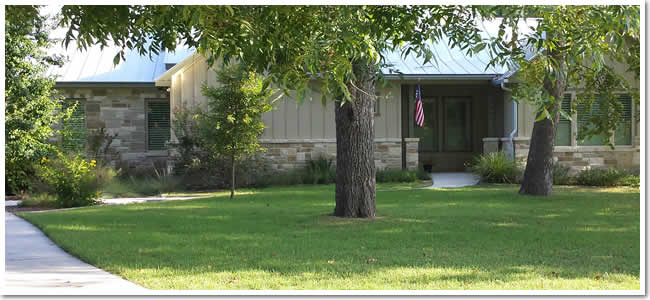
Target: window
x,y
75,132
158,129
457,129
563,135
583,118
622,133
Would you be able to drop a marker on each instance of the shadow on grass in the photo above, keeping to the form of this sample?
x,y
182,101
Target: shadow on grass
x,y
486,235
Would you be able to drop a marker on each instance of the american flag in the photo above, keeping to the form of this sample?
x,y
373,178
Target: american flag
x,y
419,112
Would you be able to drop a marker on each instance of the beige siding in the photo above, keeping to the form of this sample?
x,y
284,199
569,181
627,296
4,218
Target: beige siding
x,y
290,120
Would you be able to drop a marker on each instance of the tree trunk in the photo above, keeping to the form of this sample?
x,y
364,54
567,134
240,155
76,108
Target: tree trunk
x,y
538,176
355,148
232,181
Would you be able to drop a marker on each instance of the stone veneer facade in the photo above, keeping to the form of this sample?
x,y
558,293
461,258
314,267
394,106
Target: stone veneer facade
x,y
577,158
121,110
288,154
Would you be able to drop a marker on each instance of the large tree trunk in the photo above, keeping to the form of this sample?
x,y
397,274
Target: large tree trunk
x,y
355,148
538,176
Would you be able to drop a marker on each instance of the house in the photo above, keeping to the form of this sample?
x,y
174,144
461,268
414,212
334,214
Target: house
x,y
467,111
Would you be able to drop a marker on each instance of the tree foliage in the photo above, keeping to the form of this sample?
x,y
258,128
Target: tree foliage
x,y
31,105
232,123
289,44
584,47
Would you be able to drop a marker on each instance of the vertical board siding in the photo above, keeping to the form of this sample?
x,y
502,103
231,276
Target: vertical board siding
x,y
310,120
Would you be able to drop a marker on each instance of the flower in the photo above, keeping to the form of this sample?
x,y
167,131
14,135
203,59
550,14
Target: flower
x,y
93,163
43,160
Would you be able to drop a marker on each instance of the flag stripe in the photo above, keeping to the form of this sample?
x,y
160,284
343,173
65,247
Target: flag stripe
x,y
419,111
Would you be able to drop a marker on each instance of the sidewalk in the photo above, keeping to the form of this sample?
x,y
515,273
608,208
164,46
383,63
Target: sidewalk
x,y
453,180
34,265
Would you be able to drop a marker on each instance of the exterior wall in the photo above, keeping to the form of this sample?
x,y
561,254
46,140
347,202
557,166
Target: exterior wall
x,y
120,110
577,158
485,99
290,120
585,157
291,153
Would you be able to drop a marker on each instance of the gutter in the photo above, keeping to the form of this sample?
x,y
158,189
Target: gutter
x,y
112,84
514,119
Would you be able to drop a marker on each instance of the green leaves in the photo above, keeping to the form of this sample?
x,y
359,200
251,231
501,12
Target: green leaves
x,y
32,107
232,123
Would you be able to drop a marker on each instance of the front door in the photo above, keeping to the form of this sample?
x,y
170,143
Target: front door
x,y
446,137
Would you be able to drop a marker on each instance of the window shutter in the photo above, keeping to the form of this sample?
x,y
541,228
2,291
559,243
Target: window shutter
x,y
76,134
563,135
623,133
158,127
583,118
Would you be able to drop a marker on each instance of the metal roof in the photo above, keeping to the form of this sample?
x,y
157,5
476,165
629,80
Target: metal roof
x,y
95,65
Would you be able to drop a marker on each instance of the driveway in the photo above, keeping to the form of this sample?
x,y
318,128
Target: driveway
x,y
34,265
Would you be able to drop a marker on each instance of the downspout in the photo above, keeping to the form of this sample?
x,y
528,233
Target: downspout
x,y
514,119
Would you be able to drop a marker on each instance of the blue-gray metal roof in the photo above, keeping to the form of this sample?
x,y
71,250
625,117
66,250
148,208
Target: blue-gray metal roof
x,y
96,65
446,61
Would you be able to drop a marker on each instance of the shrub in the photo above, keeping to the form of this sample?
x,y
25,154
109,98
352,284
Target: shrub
x,y
496,167
39,200
423,174
318,171
396,175
607,177
561,174
72,179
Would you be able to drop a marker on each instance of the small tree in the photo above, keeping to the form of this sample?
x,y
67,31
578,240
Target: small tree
x,y
232,123
32,107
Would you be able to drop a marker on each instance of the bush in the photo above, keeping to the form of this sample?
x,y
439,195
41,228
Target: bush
x,y
39,200
496,167
72,179
142,186
319,171
607,177
422,174
561,174
396,175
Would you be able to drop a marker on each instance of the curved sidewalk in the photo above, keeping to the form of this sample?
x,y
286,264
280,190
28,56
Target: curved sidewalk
x,y
453,180
34,265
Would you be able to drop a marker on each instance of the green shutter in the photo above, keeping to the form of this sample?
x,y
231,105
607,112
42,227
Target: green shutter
x,y
623,133
583,118
563,135
158,128
75,136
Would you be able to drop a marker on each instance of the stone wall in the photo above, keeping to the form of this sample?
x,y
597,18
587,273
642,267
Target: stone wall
x,y
288,154
577,158
120,110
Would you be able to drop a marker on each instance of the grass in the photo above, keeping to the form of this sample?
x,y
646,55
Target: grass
x,y
482,237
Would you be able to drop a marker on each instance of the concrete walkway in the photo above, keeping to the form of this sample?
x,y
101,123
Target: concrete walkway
x,y
34,265
118,201
453,180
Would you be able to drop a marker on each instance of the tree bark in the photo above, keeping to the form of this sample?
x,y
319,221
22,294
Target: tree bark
x,y
232,177
538,176
355,148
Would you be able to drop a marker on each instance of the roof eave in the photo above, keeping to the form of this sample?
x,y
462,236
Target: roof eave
x,y
64,84
441,76
165,79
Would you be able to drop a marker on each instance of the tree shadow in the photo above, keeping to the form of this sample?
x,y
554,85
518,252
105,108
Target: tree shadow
x,y
460,239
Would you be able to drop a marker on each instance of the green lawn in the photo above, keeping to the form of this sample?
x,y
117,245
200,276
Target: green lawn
x,y
483,237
